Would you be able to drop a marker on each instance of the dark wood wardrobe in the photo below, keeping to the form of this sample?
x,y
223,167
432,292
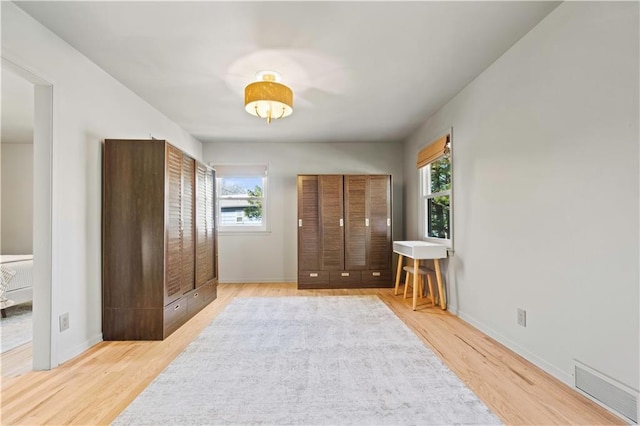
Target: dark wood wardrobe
x,y
344,231
159,240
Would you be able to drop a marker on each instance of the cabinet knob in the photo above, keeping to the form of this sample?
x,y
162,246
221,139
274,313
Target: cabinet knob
x,y
366,222
176,307
341,222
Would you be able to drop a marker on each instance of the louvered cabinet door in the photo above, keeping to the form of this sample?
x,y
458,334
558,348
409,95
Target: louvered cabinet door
x,y
205,243
308,225
211,195
201,232
311,270
379,243
355,193
331,222
173,272
188,224
209,224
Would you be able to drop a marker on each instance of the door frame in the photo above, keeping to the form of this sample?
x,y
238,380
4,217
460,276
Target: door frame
x,y
45,286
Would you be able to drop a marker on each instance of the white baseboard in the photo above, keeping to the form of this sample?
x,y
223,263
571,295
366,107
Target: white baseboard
x,y
78,349
453,309
556,372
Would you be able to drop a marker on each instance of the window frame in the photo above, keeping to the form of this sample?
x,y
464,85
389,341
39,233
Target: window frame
x,y
424,176
226,171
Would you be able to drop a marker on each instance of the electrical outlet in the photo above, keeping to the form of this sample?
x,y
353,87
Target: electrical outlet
x,y
522,317
64,321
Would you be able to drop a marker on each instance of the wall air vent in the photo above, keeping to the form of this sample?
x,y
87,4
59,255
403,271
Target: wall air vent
x,y
612,395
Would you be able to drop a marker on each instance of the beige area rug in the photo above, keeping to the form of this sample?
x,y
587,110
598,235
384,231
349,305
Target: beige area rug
x,y
307,361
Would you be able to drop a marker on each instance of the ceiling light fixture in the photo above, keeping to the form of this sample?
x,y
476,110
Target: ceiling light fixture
x,y
267,97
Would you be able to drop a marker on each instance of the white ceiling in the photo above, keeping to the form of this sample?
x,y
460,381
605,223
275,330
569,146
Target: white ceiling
x,y
360,71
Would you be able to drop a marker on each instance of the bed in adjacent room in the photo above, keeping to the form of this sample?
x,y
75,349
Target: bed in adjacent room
x,y
20,287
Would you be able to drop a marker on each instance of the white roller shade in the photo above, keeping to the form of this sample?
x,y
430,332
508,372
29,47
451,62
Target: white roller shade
x,y
240,170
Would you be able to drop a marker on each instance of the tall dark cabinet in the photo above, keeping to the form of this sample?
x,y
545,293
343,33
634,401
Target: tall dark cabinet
x,y
159,240
344,231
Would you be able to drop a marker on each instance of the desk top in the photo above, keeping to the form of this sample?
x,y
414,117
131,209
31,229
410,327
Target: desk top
x,y
420,249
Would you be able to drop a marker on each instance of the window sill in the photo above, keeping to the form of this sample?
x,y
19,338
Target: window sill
x,y
244,232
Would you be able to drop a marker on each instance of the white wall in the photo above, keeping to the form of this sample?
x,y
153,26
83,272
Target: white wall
x,y
89,106
272,257
545,151
16,192
16,198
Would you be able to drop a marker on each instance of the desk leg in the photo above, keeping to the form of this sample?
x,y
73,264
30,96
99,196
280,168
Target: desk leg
x,y
398,274
443,297
416,263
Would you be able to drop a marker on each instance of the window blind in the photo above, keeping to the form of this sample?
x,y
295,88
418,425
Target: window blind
x,y
433,151
241,170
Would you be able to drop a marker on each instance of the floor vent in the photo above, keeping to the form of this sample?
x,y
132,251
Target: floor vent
x,y
607,392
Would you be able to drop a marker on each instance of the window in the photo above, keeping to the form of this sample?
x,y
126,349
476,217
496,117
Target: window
x,y
242,195
434,163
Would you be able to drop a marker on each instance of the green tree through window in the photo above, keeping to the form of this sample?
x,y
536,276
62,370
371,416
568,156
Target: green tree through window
x,y
439,205
242,199
436,192
254,211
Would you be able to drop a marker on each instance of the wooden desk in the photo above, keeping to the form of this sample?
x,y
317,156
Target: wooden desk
x,y
419,250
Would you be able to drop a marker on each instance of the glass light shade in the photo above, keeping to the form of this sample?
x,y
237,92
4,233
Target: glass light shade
x,y
268,98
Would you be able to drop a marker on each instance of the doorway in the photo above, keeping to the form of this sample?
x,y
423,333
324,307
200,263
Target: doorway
x,y
44,337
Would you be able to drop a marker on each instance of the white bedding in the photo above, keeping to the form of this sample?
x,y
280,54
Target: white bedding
x,y
8,258
20,288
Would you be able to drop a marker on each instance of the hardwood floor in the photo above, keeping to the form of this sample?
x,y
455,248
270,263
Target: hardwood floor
x,y
96,386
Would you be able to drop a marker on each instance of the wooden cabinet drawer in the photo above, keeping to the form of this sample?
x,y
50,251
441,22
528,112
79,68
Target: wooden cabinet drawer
x,y
175,314
377,278
210,293
342,279
313,279
195,300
